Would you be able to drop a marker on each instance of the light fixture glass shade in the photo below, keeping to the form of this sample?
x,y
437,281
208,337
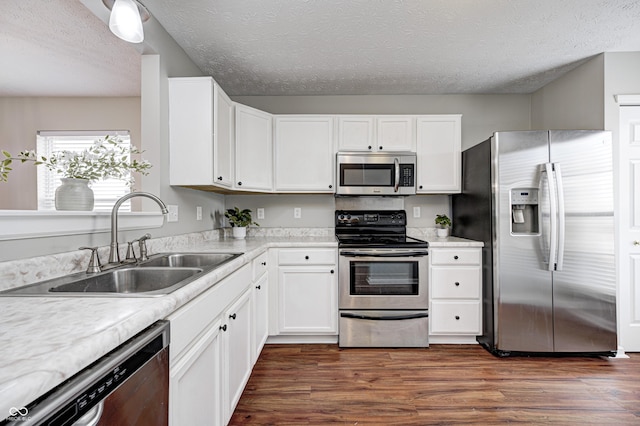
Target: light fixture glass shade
x,y
125,21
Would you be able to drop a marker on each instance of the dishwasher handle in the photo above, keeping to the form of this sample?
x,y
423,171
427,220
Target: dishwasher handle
x,y
384,317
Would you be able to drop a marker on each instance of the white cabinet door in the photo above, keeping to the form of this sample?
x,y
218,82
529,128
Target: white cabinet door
x,y
438,154
395,133
254,149
195,383
308,301
223,139
356,133
304,154
200,133
238,335
261,315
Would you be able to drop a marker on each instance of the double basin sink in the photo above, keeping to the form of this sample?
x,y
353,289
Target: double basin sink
x,y
160,275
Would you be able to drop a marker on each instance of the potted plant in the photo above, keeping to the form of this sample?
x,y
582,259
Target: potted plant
x,y
107,158
442,223
239,220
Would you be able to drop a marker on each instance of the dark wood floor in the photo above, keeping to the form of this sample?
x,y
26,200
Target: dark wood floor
x,y
445,384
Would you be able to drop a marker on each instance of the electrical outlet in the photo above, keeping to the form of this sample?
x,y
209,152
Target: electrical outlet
x,y
198,212
416,211
297,213
173,213
260,213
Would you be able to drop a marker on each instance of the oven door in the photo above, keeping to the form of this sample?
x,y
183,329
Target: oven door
x,y
383,279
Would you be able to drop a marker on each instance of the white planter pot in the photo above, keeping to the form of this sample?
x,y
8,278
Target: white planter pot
x,y
442,232
74,194
239,232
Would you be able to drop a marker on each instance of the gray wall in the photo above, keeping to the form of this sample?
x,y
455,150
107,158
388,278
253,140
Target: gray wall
x,y
573,101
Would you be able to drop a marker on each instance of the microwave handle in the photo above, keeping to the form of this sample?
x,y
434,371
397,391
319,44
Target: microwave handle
x,y
396,164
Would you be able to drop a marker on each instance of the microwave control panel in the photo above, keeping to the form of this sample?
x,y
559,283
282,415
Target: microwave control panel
x,y
407,176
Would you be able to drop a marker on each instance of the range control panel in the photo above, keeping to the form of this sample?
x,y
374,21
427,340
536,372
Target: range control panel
x,y
371,218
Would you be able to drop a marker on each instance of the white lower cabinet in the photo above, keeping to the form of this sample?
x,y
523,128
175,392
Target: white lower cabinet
x,y
307,296
195,382
455,309
237,356
211,352
261,315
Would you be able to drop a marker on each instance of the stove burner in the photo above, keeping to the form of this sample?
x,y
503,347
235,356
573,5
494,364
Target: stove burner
x,y
368,228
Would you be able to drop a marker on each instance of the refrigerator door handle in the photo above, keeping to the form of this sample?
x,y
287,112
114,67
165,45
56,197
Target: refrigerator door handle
x,y
561,223
553,212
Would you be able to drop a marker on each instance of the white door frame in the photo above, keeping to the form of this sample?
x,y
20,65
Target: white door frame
x,y
628,224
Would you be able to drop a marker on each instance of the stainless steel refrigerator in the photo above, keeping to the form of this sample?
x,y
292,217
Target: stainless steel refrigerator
x,y
542,203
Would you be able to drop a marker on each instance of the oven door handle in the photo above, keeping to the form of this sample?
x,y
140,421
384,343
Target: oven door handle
x,y
403,254
384,318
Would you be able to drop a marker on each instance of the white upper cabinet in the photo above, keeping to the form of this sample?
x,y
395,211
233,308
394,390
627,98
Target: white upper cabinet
x,y
376,133
395,133
438,154
254,149
201,133
304,153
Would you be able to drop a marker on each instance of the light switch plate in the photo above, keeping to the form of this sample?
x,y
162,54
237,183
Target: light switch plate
x,y
260,213
297,212
416,211
198,212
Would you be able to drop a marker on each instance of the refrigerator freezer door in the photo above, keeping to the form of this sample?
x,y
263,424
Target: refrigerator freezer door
x,y
584,288
523,317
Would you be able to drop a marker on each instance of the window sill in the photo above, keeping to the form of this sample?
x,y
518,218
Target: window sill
x,y
20,224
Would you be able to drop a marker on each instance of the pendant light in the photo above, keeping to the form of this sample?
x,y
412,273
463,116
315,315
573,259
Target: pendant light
x,y
126,19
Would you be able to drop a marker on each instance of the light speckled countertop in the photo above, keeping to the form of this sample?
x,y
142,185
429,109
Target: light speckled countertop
x,y
46,340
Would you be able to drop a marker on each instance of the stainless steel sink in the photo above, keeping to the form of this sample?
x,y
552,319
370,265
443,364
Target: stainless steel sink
x,y
129,280
160,275
189,260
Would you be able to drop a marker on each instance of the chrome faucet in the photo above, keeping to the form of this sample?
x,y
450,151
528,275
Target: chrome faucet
x,y
114,255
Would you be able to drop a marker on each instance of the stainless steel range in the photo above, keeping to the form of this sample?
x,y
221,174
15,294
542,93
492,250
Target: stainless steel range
x,y
383,297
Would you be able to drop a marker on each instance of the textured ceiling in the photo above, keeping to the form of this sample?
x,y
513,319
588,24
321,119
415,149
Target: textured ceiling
x,y
319,47
333,47
60,48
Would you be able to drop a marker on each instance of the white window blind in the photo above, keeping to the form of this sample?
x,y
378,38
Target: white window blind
x,y
106,192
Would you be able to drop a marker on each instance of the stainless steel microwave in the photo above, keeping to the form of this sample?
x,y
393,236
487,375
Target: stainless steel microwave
x,y
384,173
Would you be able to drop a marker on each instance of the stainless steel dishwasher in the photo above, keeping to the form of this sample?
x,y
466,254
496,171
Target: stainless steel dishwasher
x,y
128,386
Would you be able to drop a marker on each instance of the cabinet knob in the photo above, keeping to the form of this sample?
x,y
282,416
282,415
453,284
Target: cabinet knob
x,y
232,316
457,317
370,147
455,257
258,287
223,327
636,243
380,147
264,263
332,271
457,283
330,186
306,258
219,177
239,183
420,187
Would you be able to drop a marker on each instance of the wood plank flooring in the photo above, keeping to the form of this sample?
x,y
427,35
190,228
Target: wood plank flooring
x,y
444,384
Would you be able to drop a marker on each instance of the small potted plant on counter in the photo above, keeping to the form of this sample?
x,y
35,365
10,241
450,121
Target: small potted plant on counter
x,y
239,220
442,223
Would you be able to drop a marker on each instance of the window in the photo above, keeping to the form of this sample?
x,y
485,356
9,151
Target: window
x,y
105,192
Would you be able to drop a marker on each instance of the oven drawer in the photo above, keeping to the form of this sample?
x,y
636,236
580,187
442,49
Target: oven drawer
x,y
455,317
455,282
307,257
395,329
455,256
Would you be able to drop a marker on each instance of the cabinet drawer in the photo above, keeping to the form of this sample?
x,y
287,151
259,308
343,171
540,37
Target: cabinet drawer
x,y
259,266
455,256
307,257
455,283
455,317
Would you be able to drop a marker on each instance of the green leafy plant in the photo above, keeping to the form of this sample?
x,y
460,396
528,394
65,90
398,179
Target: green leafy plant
x,y
443,220
107,158
239,218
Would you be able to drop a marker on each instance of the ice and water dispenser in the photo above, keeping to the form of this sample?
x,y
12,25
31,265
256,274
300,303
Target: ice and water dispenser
x,y
524,211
